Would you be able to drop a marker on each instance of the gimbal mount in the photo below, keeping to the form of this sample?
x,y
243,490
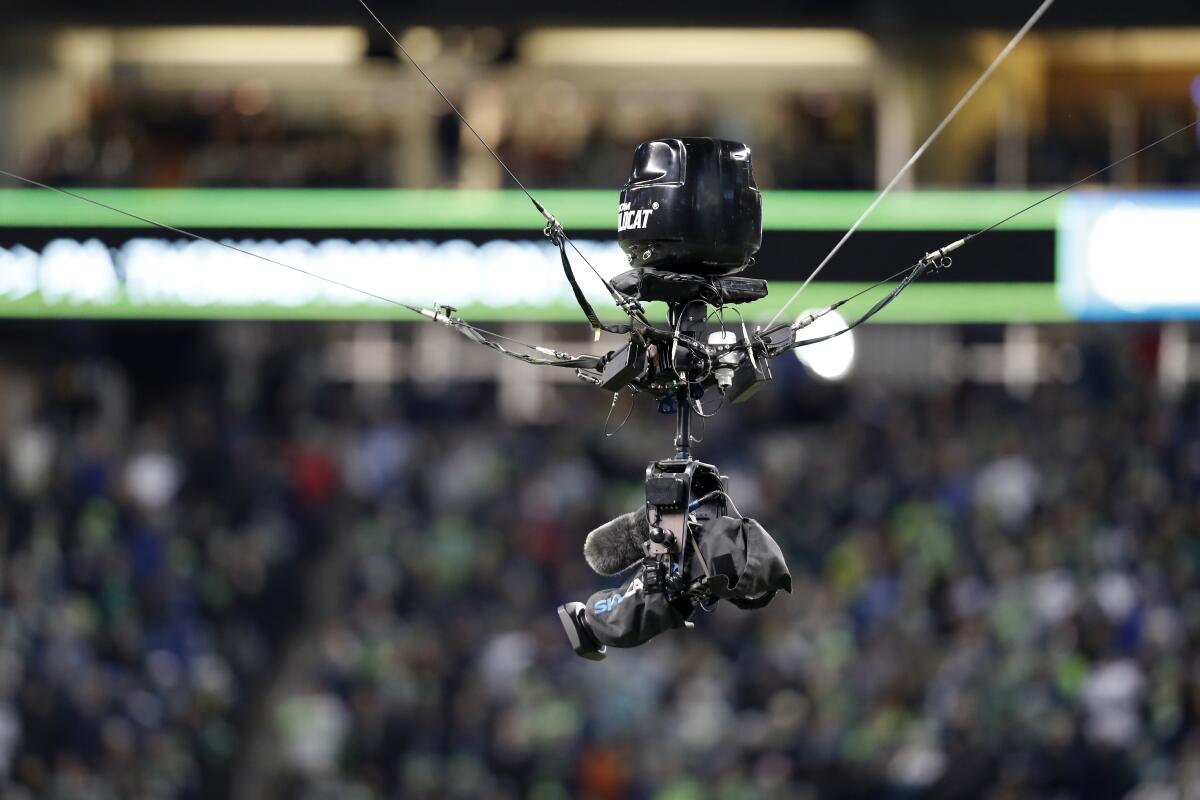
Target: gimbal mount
x,y
675,486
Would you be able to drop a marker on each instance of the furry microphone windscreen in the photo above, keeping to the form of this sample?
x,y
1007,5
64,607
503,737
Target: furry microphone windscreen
x,y
618,544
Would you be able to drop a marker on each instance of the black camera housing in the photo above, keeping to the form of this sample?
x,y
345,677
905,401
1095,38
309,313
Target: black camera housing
x,y
691,206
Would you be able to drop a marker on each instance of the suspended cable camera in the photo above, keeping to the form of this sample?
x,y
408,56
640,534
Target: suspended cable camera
x,y
689,222
689,219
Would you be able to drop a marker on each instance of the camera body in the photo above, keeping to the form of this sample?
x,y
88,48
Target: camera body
x,y
691,207
662,592
694,554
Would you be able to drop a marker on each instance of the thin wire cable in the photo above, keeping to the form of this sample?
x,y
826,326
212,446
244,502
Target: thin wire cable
x,y
252,254
607,283
518,342
699,411
450,103
201,238
550,218
1100,171
764,336
713,494
1037,15
692,438
609,434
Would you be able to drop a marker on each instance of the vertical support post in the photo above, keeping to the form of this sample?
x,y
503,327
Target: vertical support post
x,y
686,318
683,424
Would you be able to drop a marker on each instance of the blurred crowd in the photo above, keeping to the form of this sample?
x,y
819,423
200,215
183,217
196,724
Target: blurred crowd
x,y
561,137
207,138
995,597
154,544
252,136
1075,146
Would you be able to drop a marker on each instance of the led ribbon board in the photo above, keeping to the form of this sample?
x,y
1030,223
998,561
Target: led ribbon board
x,y
481,251
1130,255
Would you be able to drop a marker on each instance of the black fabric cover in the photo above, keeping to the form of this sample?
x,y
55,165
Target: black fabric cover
x,y
745,562
746,566
628,616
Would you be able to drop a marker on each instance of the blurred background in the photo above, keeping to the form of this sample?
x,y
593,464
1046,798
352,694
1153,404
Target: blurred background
x,y
264,537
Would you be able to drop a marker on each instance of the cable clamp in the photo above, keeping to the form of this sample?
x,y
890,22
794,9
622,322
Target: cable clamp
x,y
939,259
628,304
554,230
936,261
809,319
441,313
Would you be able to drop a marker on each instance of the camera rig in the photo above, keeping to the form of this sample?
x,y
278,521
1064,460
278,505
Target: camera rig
x,y
689,221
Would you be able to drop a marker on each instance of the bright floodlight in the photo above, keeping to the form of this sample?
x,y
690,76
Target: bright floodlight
x,y
831,359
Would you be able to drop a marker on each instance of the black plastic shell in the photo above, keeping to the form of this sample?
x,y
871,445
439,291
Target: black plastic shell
x,y
691,206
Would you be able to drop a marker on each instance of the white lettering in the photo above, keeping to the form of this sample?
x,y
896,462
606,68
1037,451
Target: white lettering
x,y
633,219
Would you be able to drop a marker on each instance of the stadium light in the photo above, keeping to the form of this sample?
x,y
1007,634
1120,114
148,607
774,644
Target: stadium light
x,y
735,47
832,359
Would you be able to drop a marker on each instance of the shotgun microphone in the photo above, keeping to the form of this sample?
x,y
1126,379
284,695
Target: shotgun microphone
x,y
618,544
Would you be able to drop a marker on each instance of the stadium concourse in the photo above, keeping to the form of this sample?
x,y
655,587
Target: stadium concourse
x,y
221,582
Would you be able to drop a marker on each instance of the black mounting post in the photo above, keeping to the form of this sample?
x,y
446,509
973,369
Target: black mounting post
x,y
683,424
687,318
